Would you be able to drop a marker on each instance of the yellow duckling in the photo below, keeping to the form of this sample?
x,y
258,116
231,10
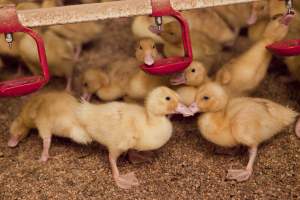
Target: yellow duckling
x,y
124,78
243,74
205,49
239,121
52,113
192,77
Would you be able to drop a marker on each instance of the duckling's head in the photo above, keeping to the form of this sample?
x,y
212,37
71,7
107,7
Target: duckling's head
x,y
171,32
17,132
259,9
276,8
277,28
52,3
210,97
92,80
27,5
163,101
194,75
146,51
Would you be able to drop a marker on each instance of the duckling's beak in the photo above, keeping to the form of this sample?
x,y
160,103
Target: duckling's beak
x,y
178,79
253,18
154,29
148,60
194,108
287,18
86,96
185,111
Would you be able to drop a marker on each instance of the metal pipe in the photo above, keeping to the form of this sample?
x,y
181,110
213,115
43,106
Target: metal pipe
x,y
106,10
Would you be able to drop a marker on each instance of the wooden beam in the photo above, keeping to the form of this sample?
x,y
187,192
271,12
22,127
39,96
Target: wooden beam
x,y
106,10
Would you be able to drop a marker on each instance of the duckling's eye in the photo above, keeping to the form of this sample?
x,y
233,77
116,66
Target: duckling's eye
x,y
153,46
277,16
140,47
193,70
262,7
171,33
168,98
85,84
206,98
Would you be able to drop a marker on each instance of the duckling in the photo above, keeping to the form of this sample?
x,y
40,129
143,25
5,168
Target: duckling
x,y
141,24
276,8
122,126
52,3
78,34
239,121
92,80
192,77
238,16
52,113
243,74
146,51
124,76
5,50
256,30
119,74
204,49
208,22
59,53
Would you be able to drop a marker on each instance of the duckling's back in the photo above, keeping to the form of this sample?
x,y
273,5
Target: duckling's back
x,y
55,112
111,124
254,120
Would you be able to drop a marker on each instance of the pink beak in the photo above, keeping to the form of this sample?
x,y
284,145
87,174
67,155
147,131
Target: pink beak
x,y
287,18
194,108
86,96
252,19
178,79
185,111
154,29
148,60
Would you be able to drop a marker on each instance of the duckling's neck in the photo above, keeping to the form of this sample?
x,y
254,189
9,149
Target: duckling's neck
x,y
156,131
110,93
215,128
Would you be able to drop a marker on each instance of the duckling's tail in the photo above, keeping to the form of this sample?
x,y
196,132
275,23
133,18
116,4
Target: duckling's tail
x,y
283,115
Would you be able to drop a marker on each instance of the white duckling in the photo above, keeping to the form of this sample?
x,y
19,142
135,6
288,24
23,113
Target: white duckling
x,y
122,126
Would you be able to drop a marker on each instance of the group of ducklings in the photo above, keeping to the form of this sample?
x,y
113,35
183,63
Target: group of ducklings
x,y
228,116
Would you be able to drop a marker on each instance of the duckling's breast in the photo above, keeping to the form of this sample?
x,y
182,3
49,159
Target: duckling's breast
x,y
216,130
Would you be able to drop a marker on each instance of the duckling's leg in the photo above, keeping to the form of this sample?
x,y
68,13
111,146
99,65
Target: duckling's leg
x,y
78,50
123,181
45,133
46,147
69,84
139,157
243,174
